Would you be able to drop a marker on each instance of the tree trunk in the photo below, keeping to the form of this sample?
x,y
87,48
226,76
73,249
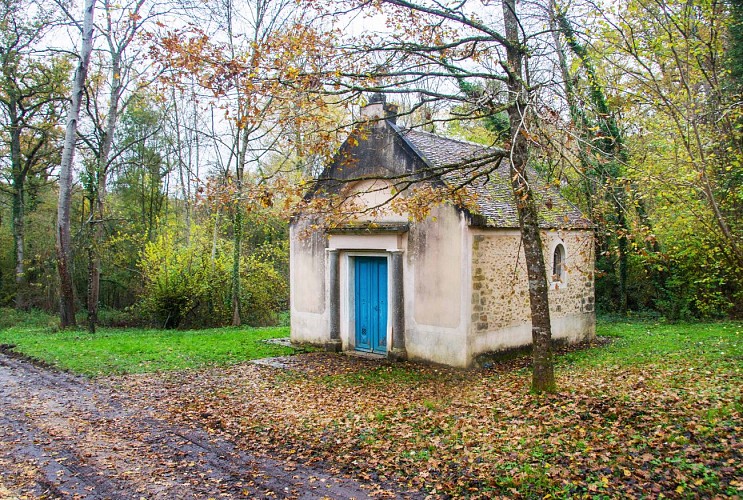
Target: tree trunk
x,y
184,177
93,286
215,239
611,146
576,116
238,231
213,258
622,246
543,377
237,228
98,206
19,242
19,209
64,243
242,140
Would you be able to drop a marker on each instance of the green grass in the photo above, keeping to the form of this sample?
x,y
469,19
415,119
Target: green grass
x,y
119,350
133,350
34,318
636,343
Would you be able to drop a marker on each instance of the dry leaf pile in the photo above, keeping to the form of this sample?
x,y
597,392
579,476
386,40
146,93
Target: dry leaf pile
x,y
670,429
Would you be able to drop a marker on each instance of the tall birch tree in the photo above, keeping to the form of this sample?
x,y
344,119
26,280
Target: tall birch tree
x,y
64,243
121,68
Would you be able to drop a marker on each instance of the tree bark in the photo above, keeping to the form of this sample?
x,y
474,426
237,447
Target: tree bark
x,y
19,242
543,377
64,243
184,177
19,208
116,50
93,286
237,228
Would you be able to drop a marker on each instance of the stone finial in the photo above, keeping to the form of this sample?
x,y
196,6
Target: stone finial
x,y
375,107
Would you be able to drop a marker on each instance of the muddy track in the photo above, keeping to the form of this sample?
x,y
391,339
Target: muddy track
x,y
63,436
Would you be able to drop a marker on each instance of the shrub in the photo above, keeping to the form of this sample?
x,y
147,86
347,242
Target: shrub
x,y
188,286
179,278
10,317
265,292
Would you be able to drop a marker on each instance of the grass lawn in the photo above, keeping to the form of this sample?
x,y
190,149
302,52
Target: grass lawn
x,y
645,343
133,350
658,412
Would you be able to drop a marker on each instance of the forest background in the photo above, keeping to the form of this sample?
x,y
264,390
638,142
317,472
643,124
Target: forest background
x,y
203,124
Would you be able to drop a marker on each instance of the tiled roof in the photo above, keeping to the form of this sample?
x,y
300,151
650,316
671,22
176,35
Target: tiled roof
x,y
442,152
486,172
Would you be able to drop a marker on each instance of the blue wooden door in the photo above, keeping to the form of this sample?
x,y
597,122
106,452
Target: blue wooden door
x,y
371,304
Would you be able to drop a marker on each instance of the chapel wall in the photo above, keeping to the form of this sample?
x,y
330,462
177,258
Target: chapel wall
x,y
307,283
436,288
501,316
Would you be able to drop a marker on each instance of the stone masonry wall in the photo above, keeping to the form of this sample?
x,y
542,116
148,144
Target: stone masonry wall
x,y
499,284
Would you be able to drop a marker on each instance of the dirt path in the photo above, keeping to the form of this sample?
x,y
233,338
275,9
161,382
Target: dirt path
x,y
66,437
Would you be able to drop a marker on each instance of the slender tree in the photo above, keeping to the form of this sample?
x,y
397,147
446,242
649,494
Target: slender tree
x,y
543,379
64,243
603,154
186,148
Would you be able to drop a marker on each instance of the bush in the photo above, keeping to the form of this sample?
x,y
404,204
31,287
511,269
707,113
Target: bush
x,y
265,293
10,318
179,278
688,279
184,287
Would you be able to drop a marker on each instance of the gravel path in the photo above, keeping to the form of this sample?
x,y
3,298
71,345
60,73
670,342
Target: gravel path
x,y
63,436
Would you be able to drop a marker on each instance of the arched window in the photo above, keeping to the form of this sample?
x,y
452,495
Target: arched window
x,y
558,263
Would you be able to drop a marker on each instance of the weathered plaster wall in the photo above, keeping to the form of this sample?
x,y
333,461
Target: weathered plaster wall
x,y
371,199
437,302
500,314
436,252
307,278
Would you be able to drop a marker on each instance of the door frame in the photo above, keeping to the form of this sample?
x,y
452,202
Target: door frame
x,y
349,301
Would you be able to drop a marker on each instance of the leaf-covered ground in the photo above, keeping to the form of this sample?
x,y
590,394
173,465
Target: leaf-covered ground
x,y
655,412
